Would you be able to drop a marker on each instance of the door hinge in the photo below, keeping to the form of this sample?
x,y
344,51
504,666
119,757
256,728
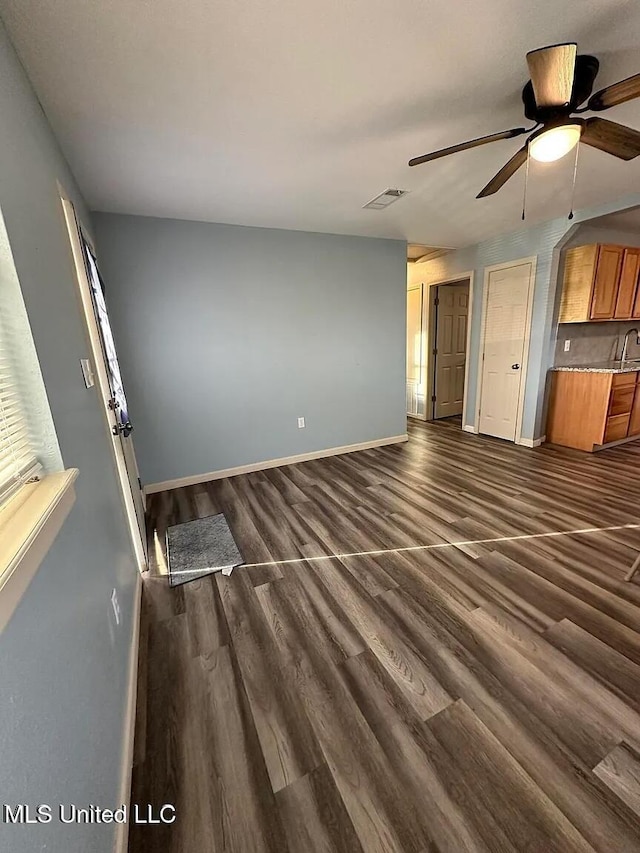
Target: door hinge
x,y
139,483
435,351
433,399
436,301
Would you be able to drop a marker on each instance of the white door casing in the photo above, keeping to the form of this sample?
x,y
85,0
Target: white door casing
x,y
416,369
452,307
505,343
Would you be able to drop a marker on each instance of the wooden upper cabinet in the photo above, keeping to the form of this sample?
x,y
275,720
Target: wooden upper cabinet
x,y
579,270
627,292
600,282
606,282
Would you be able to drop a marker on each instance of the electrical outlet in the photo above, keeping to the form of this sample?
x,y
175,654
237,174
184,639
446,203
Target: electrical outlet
x,y
567,346
301,424
116,606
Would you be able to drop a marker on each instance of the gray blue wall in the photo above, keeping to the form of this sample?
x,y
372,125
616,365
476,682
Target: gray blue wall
x,y
63,665
228,334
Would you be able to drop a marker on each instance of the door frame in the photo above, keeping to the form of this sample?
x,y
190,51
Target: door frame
x,y
533,261
420,286
430,325
73,225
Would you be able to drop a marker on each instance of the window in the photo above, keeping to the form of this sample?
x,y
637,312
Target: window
x,y
18,462
30,515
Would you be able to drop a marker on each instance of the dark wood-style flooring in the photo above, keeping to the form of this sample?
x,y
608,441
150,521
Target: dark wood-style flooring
x,y
471,698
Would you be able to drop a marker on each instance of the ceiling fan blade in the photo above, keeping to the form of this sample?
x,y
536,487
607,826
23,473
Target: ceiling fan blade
x,y
618,93
463,146
552,70
614,138
507,171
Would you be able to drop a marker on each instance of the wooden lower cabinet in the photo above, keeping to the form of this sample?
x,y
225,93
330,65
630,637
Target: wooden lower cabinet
x,y
588,410
617,428
634,423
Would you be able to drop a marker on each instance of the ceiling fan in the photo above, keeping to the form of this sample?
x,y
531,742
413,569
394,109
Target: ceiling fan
x,y
560,82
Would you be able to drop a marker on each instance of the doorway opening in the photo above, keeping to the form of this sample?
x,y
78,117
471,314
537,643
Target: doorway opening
x,y
450,335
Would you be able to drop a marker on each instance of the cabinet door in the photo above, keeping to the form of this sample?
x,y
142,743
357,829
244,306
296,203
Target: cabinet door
x,y
607,282
621,401
577,282
634,423
636,305
628,284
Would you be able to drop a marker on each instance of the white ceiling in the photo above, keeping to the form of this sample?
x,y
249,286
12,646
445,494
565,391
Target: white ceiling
x,y
294,113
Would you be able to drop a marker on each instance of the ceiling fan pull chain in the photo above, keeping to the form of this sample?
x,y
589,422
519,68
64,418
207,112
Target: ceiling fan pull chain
x,y
526,181
575,173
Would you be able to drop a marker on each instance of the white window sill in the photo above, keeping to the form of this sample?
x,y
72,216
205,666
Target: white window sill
x,y
29,523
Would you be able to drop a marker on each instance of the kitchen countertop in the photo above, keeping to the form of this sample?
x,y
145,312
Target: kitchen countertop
x,y
602,367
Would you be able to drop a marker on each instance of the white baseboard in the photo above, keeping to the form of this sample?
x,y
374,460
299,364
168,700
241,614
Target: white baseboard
x,y
121,839
469,428
271,463
532,442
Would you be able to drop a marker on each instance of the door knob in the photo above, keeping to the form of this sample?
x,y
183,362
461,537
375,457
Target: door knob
x,y
515,367
124,430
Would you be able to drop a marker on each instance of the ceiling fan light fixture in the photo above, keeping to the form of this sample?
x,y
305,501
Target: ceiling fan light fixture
x,y
551,145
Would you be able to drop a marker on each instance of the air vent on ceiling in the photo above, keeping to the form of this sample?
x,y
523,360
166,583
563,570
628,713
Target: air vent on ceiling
x,y
384,199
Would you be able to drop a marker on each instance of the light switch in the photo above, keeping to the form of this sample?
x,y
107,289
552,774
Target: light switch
x,y
567,346
87,372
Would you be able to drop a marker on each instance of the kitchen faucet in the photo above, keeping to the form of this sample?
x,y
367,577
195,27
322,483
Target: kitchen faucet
x,y
625,346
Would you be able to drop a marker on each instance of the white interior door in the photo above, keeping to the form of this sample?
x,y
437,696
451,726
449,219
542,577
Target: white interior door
x,y
452,308
121,425
505,339
108,381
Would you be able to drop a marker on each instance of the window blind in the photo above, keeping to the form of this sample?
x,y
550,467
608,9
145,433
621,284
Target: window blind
x,y
18,462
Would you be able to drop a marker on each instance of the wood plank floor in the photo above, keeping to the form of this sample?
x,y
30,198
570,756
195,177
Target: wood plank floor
x,y
481,697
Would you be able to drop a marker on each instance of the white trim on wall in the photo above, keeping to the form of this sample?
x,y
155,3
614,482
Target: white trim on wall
x,y
532,442
29,523
533,260
271,463
121,838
